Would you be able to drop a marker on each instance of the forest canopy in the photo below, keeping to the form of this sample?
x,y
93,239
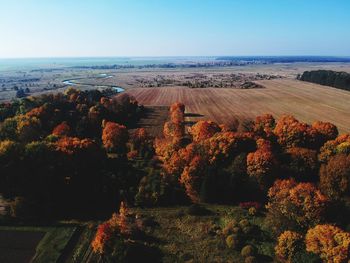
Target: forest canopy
x,y
340,80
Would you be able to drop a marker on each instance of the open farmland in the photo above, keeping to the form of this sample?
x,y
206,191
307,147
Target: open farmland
x,y
307,101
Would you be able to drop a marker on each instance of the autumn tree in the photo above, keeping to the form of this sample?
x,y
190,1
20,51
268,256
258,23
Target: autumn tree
x,y
262,164
335,177
289,245
302,163
293,205
177,112
204,130
28,128
173,131
331,243
103,235
8,150
73,145
326,131
114,137
61,129
116,231
192,177
292,133
177,106
264,125
341,144
8,129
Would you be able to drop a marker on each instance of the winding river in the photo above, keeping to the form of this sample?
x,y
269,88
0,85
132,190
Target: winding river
x,y
75,82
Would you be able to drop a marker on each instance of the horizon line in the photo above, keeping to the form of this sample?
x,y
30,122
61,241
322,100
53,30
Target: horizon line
x,y
174,56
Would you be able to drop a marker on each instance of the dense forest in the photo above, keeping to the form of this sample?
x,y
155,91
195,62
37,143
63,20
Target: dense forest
x,y
78,153
340,80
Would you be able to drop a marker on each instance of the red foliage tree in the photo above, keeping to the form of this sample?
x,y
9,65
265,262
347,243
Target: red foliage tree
x,y
103,235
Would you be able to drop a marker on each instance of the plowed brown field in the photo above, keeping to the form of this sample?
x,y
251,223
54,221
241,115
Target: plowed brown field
x,y
307,101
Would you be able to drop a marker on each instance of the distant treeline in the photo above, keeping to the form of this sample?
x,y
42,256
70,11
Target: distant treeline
x,y
283,59
226,61
340,80
208,64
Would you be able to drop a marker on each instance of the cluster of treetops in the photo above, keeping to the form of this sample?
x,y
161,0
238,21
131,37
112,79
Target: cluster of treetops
x,y
299,173
340,80
75,152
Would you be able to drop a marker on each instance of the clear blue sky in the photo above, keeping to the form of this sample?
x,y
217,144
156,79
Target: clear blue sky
x,y
55,28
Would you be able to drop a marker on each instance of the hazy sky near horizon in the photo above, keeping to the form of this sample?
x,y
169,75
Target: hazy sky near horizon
x,y
69,28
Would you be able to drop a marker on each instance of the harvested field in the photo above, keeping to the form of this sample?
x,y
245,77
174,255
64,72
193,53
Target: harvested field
x,y
308,102
18,246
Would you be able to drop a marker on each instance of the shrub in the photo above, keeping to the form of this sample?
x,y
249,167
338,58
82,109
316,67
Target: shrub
x,y
252,211
248,250
330,242
228,229
250,259
289,244
231,241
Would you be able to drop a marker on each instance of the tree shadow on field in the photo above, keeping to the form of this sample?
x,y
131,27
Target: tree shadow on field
x,y
190,114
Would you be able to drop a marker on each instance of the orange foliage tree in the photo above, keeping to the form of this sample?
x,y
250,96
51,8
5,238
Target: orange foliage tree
x,y
289,244
177,106
61,129
339,145
295,205
292,133
73,145
264,125
204,130
262,164
114,137
192,176
326,131
173,131
121,225
103,235
331,243
335,177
